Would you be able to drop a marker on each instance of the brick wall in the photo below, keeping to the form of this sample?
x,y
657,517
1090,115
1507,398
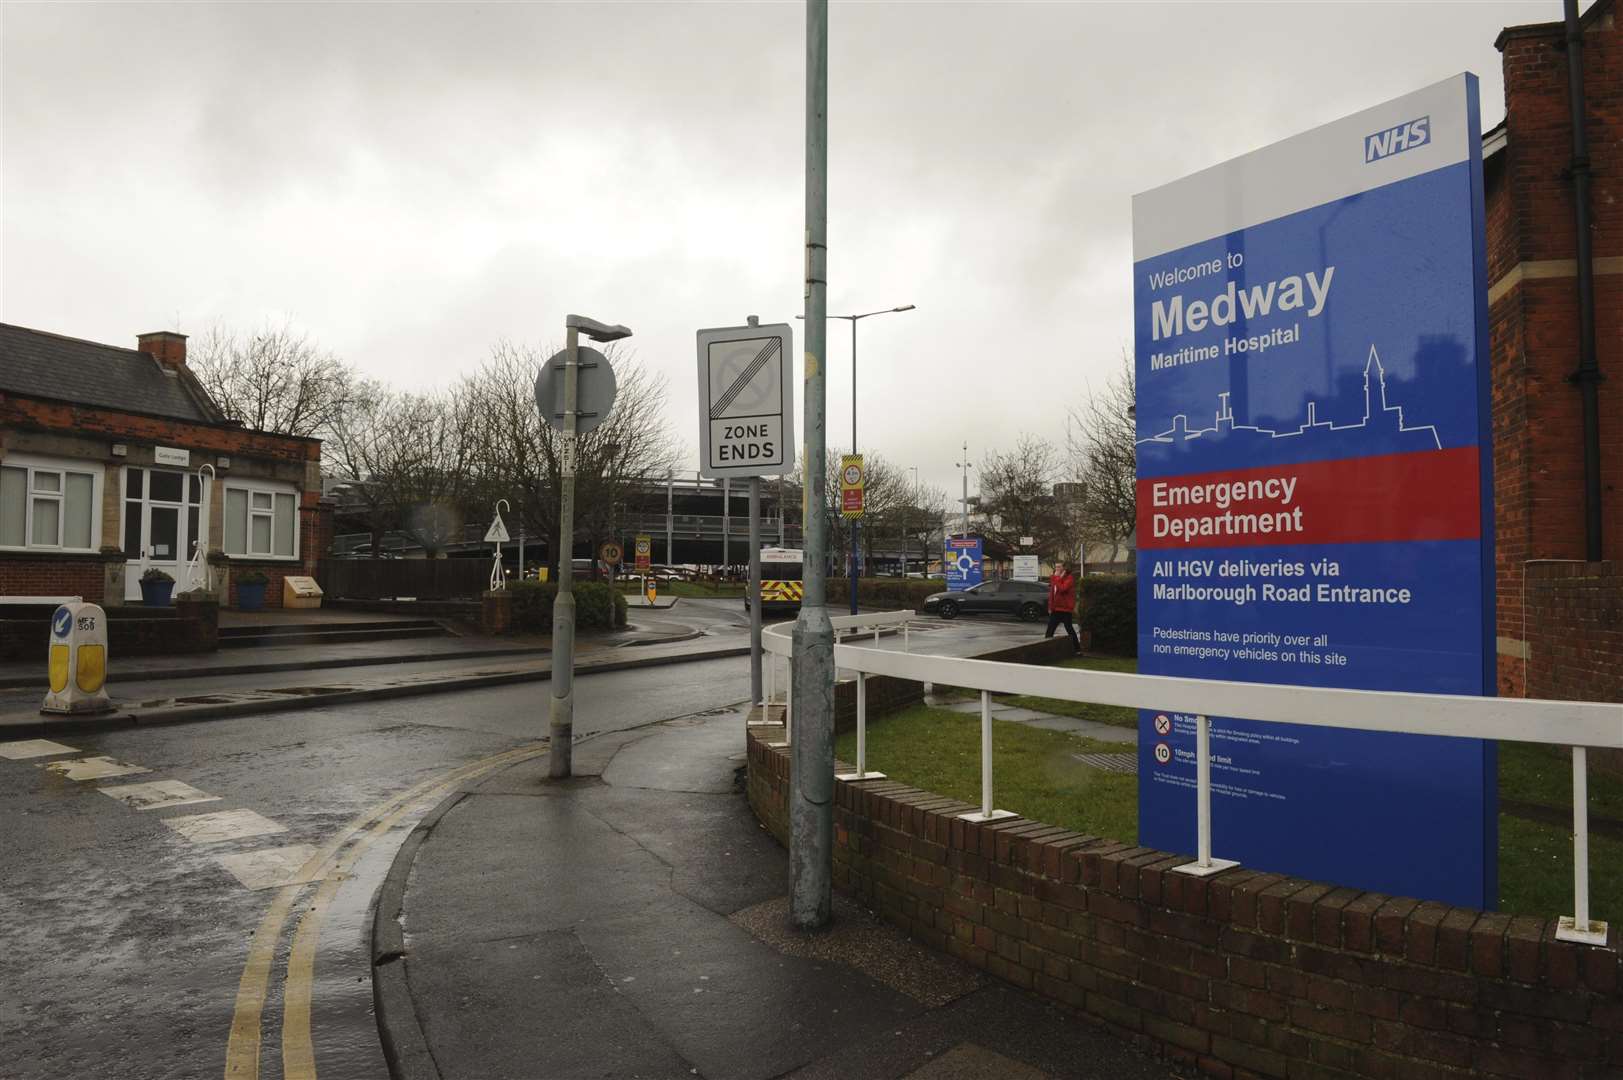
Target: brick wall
x,y
1575,636
1538,456
188,627
1241,975
26,574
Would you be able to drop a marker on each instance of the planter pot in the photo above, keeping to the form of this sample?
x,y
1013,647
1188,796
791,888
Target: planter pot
x,y
156,593
250,597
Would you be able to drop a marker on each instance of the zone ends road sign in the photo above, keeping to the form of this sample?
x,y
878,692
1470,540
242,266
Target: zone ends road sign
x,y
746,401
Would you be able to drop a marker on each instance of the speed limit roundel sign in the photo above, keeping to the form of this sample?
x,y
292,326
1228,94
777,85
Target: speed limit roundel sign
x,y
853,474
610,553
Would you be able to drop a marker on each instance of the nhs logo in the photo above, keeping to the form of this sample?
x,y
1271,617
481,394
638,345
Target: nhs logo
x,y
1395,140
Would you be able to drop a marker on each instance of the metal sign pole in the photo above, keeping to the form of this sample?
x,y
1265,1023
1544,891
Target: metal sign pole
x,y
811,797
754,585
563,607
755,590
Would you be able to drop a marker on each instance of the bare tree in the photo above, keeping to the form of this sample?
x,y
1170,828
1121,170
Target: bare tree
x,y
517,456
1017,495
1104,460
275,379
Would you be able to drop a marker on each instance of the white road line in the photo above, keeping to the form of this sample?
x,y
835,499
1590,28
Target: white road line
x,y
270,868
30,748
223,825
95,768
158,794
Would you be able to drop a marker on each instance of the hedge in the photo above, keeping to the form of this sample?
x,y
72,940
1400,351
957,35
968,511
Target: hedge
x,y
597,607
884,592
1110,613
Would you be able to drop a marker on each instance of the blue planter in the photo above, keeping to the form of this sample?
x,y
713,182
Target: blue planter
x,y
156,593
250,597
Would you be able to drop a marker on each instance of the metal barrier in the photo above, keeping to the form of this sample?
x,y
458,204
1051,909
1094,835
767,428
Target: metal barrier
x,y
1577,724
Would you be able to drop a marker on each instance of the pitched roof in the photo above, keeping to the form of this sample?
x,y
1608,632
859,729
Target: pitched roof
x,y
39,364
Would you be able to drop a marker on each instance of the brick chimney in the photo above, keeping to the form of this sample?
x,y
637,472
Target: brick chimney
x,y
164,346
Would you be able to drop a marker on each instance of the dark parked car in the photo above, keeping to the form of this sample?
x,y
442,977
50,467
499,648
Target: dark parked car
x,y
1027,599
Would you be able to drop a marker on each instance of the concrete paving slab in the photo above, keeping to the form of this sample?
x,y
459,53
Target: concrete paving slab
x,y
491,995
687,755
1017,715
966,1061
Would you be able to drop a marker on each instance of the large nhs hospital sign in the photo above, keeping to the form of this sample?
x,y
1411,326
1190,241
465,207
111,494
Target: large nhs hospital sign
x,y
1314,491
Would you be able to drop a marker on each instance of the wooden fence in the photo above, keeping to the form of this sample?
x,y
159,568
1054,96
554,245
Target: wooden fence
x,y
423,579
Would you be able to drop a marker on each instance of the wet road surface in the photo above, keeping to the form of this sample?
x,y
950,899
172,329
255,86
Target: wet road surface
x,y
193,901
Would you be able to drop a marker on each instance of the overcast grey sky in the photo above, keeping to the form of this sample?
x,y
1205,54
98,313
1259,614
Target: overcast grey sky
x,y
410,183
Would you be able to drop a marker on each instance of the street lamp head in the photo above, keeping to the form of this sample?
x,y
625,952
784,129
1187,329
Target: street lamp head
x,y
904,307
595,330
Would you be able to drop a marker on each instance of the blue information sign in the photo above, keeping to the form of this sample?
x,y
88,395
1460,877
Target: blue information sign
x,y
1314,491
962,563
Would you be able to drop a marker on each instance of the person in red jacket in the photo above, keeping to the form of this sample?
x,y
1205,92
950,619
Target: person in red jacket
x,y
1062,603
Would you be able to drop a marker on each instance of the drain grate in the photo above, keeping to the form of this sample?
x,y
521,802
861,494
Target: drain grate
x,y
1116,763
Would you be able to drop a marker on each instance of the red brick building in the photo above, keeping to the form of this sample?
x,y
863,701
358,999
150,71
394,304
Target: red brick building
x,y
105,454
1560,616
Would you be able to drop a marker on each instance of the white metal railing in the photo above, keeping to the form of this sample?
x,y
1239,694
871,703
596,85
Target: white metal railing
x,y
1576,724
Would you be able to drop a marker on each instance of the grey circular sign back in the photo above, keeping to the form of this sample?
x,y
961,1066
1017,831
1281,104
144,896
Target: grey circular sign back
x,y
594,393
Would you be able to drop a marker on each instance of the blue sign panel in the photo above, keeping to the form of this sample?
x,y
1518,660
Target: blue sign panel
x,y
1314,491
962,563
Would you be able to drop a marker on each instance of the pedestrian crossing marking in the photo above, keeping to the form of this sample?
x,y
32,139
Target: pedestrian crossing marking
x,y
223,825
32,748
158,794
271,868
94,768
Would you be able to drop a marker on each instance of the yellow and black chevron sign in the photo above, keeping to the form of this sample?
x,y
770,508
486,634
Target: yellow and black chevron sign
x,y
783,592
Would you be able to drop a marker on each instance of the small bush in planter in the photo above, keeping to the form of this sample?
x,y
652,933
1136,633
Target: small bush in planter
x,y
156,587
252,577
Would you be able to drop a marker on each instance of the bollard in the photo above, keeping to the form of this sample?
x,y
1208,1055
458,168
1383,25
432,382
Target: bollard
x,y
77,660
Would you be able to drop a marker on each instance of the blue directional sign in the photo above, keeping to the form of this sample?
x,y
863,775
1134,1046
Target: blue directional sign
x,y
962,562
1314,491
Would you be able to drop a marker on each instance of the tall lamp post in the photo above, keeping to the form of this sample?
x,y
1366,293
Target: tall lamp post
x,y
856,523
926,565
562,726
966,466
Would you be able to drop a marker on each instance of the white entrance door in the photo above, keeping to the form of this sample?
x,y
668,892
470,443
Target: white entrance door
x,y
160,523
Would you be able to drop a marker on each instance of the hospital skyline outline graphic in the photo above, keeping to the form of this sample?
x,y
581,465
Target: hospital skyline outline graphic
x,y
1383,429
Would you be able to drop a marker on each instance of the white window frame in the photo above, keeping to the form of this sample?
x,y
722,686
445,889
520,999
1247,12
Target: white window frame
x,y
251,488
62,467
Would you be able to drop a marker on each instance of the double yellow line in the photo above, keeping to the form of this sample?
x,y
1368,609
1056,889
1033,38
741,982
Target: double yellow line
x,y
329,866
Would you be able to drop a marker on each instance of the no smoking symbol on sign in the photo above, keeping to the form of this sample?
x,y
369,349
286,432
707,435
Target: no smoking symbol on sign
x,y
1163,725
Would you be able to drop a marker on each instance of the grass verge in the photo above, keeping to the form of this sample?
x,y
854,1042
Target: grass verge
x,y
939,751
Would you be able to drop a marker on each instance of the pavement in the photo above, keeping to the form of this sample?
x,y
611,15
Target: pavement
x,y
631,922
